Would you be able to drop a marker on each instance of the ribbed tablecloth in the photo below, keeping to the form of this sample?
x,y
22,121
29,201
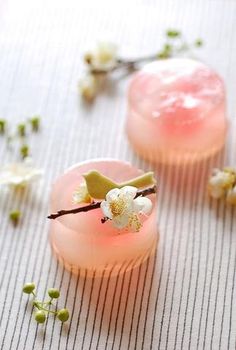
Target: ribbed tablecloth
x,y
185,297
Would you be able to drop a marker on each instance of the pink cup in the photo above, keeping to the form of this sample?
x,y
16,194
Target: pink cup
x,y
82,243
176,111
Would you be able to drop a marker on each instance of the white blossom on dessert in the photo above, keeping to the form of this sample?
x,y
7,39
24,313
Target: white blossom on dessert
x,y
81,195
123,208
19,174
231,196
88,87
103,57
220,182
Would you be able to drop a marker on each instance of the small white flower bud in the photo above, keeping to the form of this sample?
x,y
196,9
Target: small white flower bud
x,y
88,87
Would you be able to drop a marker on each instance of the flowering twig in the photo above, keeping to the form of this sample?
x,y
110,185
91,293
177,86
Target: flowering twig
x,y
96,205
103,60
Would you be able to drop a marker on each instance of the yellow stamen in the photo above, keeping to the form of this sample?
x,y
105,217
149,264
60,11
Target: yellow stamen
x,y
118,206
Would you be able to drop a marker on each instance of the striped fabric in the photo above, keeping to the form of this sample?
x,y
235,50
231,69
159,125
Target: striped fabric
x,y
184,297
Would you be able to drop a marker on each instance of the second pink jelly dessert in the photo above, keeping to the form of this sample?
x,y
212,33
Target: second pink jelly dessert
x,y
176,111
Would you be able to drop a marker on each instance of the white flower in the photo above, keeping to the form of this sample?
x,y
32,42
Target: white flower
x,y
123,208
81,195
19,174
88,87
103,57
231,196
219,182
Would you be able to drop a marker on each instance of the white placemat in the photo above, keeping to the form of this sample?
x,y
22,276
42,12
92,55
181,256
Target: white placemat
x,y
185,297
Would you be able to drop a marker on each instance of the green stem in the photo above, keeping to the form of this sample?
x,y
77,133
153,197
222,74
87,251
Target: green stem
x,y
38,306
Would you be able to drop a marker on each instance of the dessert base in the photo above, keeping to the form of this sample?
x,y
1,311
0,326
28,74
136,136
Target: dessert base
x,y
86,246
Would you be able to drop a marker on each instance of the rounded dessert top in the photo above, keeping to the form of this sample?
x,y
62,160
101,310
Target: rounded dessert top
x,y
177,90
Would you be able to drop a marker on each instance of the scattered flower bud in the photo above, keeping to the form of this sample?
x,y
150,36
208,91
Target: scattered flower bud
x,y
19,174
63,315
14,216
88,58
24,151
40,316
221,184
198,43
21,129
173,33
44,307
2,126
53,293
28,288
88,87
103,57
35,122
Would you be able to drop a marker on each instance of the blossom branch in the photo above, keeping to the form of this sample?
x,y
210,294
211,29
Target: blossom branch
x,y
96,205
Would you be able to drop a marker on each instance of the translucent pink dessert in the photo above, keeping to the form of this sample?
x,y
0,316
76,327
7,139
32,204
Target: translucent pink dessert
x,y
176,111
82,242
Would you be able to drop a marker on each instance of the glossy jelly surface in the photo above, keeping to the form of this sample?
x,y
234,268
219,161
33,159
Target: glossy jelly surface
x,y
176,111
82,243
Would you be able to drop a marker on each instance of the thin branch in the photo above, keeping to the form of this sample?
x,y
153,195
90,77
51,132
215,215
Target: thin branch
x,y
121,63
96,205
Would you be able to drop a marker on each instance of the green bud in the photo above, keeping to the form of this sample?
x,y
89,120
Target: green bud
x,y
198,42
40,316
35,122
21,129
14,216
53,293
2,126
63,315
173,33
28,288
24,151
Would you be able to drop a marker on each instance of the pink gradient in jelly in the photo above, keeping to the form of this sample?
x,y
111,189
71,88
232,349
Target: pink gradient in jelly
x,y
82,242
176,111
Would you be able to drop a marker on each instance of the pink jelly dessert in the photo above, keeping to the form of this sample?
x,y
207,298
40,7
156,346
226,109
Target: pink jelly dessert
x,y
176,111
82,242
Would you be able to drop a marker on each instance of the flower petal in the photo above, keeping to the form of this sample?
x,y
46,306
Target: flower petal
x,y
120,221
112,194
217,192
129,191
106,209
142,205
18,174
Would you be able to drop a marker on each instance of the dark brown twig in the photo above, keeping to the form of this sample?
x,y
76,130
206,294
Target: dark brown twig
x,y
121,63
96,205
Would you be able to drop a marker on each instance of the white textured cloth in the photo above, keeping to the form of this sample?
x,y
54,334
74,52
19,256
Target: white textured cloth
x,y
185,297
